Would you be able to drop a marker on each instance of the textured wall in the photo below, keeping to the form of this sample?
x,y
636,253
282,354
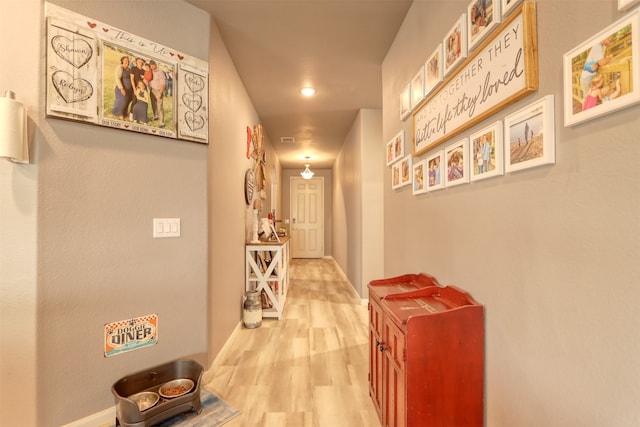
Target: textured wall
x,y
97,191
551,252
229,216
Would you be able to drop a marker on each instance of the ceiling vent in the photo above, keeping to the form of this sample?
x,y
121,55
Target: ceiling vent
x,y
287,139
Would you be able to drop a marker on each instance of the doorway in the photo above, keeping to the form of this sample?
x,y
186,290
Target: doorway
x,y
307,217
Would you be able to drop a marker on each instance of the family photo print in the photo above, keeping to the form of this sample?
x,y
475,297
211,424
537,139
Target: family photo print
x,y
602,75
530,136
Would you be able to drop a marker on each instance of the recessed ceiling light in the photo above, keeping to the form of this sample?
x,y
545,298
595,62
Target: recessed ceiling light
x,y
307,91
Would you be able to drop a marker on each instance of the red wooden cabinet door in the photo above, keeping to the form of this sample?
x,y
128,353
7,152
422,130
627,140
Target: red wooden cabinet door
x,y
375,355
394,394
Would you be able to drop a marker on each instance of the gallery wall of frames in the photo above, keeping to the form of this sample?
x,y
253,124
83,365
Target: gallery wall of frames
x,y
102,75
487,61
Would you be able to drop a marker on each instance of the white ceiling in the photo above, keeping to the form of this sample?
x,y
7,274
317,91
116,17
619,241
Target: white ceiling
x,y
337,46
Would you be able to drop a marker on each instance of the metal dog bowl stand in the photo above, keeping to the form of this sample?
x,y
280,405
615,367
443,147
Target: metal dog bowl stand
x,y
127,412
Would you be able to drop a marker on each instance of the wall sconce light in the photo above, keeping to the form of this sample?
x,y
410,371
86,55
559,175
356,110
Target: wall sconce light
x,y
13,130
307,173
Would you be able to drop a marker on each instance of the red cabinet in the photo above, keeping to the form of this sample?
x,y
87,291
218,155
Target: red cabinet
x,y
379,363
426,353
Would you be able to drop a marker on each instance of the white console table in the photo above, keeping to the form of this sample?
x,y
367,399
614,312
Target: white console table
x,y
267,271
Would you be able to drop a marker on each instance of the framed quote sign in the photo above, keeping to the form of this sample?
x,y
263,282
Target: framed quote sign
x,y
502,70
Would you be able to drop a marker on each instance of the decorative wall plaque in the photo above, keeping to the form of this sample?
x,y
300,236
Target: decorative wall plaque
x,y
501,71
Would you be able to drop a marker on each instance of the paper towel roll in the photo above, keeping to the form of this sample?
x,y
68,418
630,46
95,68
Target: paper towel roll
x,y
13,131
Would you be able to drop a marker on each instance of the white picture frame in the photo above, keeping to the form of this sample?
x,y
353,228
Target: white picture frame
x,y
457,161
454,44
615,57
405,102
433,70
395,148
417,88
419,177
626,4
508,6
529,136
436,171
483,16
401,172
486,148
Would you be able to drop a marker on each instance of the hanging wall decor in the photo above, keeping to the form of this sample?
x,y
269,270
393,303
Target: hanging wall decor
x,y
509,6
486,152
435,164
482,17
401,172
419,174
502,70
130,334
405,102
395,148
602,75
102,75
433,70
455,45
260,157
626,4
417,88
457,158
529,136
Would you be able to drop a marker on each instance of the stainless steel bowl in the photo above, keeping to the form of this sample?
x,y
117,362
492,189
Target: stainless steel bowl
x,y
145,399
176,388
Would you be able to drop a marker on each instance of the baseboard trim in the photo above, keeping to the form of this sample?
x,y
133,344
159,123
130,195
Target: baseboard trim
x,y
207,376
343,276
102,418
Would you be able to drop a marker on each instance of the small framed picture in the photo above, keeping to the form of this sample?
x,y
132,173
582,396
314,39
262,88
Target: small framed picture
x,y
486,152
405,102
455,44
395,148
508,6
433,70
417,88
529,136
435,167
401,172
457,158
482,17
419,181
602,75
626,4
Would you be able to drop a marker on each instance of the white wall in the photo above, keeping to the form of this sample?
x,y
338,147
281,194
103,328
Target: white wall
x,y
18,222
357,202
229,216
347,205
372,190
551,252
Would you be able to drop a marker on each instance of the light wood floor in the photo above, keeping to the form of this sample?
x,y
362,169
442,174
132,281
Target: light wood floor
x,y
308,369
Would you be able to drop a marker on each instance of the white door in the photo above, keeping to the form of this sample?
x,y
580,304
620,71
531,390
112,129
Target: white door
x,y
307,220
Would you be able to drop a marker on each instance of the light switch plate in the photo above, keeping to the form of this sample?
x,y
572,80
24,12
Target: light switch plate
x,y
166,227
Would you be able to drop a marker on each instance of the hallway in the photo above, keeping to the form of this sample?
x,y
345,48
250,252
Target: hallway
x,y
308,369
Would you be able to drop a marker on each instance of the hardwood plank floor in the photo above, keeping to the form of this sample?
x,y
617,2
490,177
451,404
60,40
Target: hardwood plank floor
x,y
308,369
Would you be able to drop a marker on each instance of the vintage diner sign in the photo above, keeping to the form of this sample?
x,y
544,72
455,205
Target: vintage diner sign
x,y
502,70
131,334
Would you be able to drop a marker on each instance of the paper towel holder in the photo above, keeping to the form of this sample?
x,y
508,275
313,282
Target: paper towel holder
x,y
14,144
